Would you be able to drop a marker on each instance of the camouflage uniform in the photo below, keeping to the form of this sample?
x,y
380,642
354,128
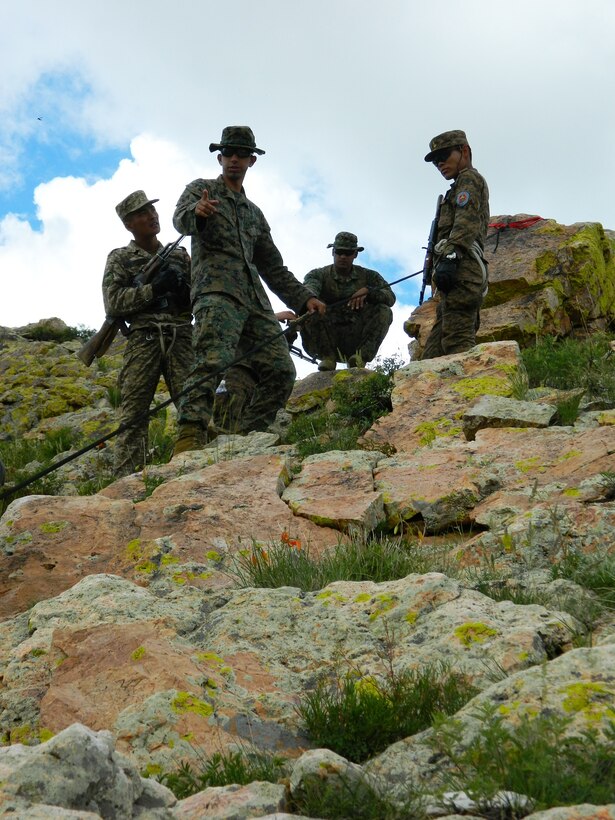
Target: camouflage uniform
x,y
159,343
462,228
341,332
231,251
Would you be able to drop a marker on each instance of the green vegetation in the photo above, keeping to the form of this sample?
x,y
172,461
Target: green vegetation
x,y
222,769
286,563
359,716
357,404
540,758
595,572
570,363
45,332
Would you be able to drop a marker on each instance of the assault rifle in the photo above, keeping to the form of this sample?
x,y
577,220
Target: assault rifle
x,y
97,346
428,263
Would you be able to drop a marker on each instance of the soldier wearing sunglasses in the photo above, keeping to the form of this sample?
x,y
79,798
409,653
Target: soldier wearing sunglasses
x,y
360,312
232,250
460,270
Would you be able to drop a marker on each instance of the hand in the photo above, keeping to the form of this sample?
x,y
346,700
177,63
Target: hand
x,y
314,305
165,280
445,273
205,207
285,316
357,300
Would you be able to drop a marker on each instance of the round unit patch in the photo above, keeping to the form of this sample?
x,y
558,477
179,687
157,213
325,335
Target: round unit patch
x,y
463,197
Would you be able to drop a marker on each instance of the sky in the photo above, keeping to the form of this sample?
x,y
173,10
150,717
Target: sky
x,y
98,100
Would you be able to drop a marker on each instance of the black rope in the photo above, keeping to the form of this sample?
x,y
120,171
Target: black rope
x,y
152,411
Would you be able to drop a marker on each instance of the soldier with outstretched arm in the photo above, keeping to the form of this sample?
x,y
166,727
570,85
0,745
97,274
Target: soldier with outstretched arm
x,y
232,250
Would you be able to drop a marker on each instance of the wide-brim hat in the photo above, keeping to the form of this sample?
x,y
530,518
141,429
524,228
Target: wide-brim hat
x,y
345,241
236,136
448,139
131,203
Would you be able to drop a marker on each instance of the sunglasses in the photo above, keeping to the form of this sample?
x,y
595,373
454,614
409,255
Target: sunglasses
x,y
443,154
232,150
342,252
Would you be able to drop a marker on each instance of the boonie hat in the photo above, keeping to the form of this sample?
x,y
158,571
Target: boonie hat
x,y
134,201
345,241
236,136
449,139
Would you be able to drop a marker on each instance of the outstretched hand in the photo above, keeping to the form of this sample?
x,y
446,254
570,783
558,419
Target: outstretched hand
x,y
205,207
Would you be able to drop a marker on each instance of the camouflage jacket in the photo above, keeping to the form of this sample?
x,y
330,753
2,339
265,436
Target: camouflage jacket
x,y
233,249
126,299
331,286
465,212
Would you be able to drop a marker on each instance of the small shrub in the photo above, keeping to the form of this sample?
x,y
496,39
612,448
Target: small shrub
x,y
358,717
224,769
539,757
358,800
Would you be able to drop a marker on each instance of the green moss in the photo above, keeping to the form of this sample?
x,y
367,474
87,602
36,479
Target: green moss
x,y
53,526
138,653
168,559
212,555
572,492
383,604
185,702
411,616
362,598
526,465
473,388
429,431
593,699
474,632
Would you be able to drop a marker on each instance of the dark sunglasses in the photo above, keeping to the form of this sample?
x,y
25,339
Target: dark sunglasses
x,y
231,150
342,252
443,154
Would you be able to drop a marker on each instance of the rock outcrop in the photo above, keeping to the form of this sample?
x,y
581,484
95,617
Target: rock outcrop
x,y
544,279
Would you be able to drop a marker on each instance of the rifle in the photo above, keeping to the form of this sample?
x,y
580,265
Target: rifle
x,y
97,346
428,263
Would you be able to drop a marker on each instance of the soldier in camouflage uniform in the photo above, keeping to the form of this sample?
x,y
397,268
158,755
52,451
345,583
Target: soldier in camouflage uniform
x,y
232,249
460,270
160,324
352,331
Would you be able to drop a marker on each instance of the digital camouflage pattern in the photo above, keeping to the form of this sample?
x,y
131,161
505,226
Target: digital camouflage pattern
x,y
343,332
133,202
225,331
159,343
464,218
346,241
449,139
231,251
236,136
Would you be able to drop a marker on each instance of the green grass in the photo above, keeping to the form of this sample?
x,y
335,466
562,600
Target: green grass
x,y
222,769
280,564
595,572
358,717
566,364
540,758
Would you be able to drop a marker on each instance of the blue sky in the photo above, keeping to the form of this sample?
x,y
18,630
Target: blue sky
x,y
344,96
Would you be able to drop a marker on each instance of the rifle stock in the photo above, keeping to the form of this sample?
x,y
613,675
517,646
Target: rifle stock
x,y
428,263
101,341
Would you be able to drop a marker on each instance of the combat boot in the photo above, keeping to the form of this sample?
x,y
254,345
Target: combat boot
x,y
190,436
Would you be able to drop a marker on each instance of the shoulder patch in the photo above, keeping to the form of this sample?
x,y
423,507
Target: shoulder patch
x,y
462,198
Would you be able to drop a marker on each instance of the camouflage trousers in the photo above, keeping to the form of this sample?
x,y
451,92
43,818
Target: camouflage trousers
x,y
226,330
342,332
163,350
458,313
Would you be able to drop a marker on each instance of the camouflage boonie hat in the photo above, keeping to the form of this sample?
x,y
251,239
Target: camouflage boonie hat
x,y
134,201
236,136
345,241
449,139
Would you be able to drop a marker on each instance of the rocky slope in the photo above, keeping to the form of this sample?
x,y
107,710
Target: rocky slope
x,y
127,646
